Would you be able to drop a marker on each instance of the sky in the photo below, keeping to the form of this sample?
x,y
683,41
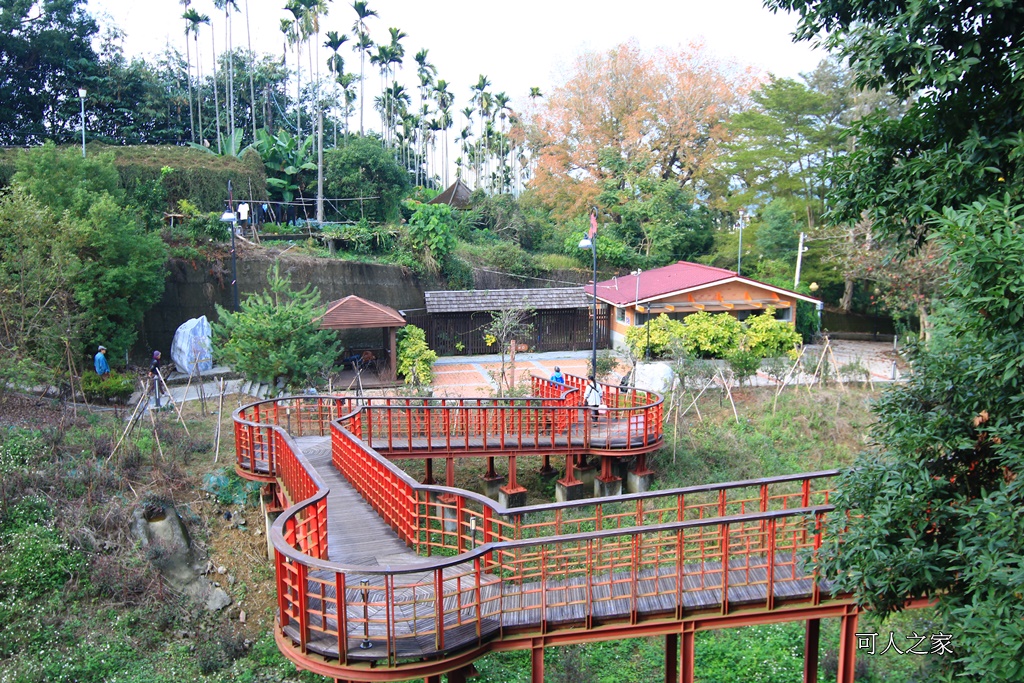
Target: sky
x,y
517,45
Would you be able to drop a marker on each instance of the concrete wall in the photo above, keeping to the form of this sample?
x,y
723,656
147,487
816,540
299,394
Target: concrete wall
x,y
192,289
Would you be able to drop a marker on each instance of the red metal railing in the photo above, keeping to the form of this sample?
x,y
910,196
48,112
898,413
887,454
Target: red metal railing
x,y
584,562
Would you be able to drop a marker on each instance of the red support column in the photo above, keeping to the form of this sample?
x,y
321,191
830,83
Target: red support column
x,y
449,471
811,638
671,657
686,652
547,469
537,662
428,476
570,475
491,474
847,645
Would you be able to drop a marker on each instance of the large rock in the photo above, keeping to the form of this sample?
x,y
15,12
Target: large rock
x,y
159,530
654,376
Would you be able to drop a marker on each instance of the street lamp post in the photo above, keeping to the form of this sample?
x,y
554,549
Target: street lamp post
x,y
81,96
229,217
590,242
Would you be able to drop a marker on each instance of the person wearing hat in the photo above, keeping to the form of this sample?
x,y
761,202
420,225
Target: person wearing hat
x,y
154,373
100,363
557,377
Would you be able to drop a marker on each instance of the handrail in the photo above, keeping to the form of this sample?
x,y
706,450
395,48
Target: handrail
x,y
732,540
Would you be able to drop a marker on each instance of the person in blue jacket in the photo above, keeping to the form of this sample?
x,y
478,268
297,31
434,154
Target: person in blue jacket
x,y
100,363
557,377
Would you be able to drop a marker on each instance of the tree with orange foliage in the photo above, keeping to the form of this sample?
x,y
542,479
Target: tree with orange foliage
x,y
663,113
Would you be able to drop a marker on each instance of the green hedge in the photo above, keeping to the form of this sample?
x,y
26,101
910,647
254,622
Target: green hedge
x,y
200,177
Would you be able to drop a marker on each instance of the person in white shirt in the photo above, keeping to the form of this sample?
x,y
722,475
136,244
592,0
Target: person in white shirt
x,y
592,398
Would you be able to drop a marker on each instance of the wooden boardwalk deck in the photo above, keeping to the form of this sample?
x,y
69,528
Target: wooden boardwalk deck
x,y
358,536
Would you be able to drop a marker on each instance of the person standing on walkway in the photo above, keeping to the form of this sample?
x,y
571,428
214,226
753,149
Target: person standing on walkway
x,y
592,398
557,378
154,374
100,363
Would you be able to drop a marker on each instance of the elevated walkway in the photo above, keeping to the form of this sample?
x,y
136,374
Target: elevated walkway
x,y
383,578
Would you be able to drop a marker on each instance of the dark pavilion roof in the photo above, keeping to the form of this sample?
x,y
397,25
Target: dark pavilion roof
x,y
456,195
355,313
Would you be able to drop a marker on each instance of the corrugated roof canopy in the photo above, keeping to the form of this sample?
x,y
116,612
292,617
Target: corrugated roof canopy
x,y
355,313
502,299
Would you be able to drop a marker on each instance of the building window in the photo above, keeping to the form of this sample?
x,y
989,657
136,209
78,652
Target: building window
x,y
785,314
620,315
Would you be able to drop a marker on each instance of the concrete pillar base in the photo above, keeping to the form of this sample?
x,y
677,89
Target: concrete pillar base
x,y
587,475
492,486
448,514
569,492
511,499
611,487
639,483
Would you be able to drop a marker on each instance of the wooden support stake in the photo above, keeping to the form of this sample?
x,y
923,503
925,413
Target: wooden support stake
x,y
173,402
728,391
220,409
136,414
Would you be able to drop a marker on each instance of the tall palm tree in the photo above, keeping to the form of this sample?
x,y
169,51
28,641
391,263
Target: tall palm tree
x,y
312,10
394,62
464,136
348,93
502,110
229,77
195,21
187,16
363,43
482,99
445,99
252,70
425,71
335,64
216,95
296,38
535,93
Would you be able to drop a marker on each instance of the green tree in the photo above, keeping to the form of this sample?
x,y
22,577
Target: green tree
x,y
46,52
937,510
37,311
368,178
778,233
276,335
114,267
415,358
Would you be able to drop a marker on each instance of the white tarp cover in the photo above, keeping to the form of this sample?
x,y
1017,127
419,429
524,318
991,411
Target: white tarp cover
x,y
191,350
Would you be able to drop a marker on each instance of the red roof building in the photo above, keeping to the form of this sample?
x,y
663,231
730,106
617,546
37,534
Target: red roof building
x,y
683,288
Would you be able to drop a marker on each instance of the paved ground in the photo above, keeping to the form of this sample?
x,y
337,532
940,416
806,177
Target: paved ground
x,y
477,375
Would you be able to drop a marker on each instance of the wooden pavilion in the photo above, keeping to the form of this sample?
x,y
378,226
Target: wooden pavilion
x,y
356,313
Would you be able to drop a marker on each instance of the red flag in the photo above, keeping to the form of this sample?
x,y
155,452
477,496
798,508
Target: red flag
x,y
593,225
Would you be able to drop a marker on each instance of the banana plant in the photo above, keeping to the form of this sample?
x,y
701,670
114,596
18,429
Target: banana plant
x,y
286,158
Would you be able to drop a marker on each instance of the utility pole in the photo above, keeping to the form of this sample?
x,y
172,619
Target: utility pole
x,y
799,261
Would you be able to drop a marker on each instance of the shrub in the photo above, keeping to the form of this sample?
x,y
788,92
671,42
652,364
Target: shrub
x,y
767,337
415,359
744,364
118,387
708,335
432,233
661,332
